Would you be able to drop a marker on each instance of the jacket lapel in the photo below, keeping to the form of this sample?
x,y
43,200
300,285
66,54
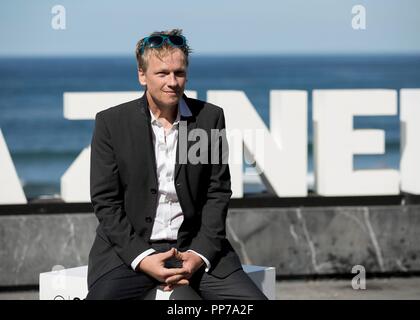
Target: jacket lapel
x,y
191,123
141,131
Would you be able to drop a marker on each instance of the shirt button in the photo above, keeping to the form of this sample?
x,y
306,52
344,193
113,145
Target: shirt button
x,y
148,219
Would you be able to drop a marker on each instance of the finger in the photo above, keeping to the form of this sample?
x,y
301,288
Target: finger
x,y
179,255
174,271
181,283
167,288
168,254
174,279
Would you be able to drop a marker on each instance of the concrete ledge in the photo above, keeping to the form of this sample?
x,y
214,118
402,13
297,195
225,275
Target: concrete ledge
x,y
296,241
71,284
331,240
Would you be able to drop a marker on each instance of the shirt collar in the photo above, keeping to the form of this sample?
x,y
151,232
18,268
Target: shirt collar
x,y
183,110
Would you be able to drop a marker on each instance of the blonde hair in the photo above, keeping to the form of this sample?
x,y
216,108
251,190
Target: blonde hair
x,y
143,57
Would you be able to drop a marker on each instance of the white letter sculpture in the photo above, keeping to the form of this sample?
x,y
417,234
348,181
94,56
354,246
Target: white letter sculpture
x,y
410,146
335,142
11,191
280,156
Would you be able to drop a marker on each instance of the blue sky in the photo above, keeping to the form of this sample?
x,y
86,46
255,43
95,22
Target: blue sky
x,y
107,27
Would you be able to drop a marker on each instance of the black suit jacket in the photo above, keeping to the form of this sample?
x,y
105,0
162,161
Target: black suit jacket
x,y
123,185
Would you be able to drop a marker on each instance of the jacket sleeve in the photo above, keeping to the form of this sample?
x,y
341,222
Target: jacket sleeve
x,y
107,195
212,233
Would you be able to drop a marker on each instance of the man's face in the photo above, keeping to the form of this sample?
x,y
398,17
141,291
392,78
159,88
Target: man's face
x,y
165,78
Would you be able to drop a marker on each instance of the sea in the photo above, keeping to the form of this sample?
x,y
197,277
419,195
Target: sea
x,y
43,144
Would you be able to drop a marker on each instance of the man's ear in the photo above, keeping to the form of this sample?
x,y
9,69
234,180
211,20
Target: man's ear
x,y
142,77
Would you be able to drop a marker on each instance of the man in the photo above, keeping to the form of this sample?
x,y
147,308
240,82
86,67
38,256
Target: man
x,y
161,220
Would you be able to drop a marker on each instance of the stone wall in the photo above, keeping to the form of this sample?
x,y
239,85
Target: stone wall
x,y
297,241
321,241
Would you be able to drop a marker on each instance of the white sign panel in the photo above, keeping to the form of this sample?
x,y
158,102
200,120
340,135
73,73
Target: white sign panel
x,y
335,142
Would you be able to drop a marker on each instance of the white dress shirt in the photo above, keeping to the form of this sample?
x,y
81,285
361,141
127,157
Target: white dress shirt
x,y
169,215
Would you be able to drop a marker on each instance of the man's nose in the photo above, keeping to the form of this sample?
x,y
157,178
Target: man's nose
x,y
172,80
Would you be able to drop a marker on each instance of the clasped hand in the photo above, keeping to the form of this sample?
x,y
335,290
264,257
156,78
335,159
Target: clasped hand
x,y
154,265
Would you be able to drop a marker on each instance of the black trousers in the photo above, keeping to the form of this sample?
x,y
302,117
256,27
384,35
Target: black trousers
x,y
123,283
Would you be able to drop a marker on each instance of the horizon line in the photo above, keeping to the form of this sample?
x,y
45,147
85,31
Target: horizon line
x,y
214,54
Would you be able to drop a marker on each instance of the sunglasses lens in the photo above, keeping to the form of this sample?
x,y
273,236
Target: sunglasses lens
x,y
155,41
176,40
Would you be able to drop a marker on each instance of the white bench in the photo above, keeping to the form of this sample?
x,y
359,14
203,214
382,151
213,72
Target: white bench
x,y
71,284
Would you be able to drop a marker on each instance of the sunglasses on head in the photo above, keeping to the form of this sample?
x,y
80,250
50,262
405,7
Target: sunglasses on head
x,y
159,40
